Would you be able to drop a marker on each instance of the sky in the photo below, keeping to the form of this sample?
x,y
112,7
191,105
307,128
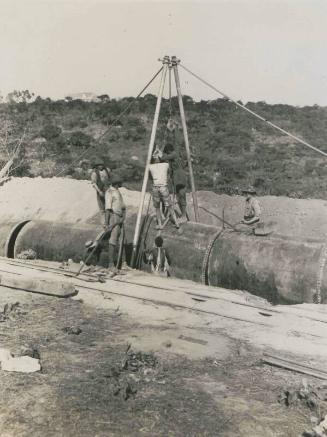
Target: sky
x,y
253,50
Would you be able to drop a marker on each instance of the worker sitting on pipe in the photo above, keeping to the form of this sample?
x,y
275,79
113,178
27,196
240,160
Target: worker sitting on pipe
x,y
115,214
252,211
159,172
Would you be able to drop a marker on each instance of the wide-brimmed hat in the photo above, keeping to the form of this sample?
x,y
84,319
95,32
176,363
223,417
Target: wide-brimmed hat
x,y
157,153
116,179
250,189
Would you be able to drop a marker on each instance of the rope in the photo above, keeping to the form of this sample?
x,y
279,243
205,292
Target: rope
x,y
240,105
224,222
142,250
123,112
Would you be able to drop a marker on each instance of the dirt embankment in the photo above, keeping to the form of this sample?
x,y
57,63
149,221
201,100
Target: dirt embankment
x,y
298,218
74,201
57,199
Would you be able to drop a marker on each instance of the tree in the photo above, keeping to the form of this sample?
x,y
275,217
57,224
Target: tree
x,y
23,96
104,98
50,132
80,139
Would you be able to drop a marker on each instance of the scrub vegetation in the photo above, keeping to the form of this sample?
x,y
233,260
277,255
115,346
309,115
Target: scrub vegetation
x,y
230,148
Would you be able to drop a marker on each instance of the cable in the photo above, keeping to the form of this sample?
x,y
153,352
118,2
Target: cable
x,y
112,123
254,113
224,222
130,104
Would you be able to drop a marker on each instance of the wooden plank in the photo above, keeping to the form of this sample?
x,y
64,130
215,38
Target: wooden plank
x,y
292,365
169,296
198,290
41,286
142,295
193,340
43,268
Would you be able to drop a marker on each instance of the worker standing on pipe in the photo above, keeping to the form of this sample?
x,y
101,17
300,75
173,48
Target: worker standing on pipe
x,y
115,214
159,172
252,210
179,178
100,178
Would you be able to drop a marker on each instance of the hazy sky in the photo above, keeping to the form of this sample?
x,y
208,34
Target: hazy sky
x,y
252,49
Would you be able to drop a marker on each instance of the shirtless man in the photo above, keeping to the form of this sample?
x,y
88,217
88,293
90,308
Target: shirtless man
x,y
159,172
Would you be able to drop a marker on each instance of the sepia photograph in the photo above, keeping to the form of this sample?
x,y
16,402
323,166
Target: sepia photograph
x,y
163,218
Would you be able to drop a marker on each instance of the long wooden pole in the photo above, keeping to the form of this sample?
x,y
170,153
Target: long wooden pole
x,y
166,62
187,144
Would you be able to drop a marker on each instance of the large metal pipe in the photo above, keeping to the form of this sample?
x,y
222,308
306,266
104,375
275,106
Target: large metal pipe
x,y
8,234
278,269
55,241
281,270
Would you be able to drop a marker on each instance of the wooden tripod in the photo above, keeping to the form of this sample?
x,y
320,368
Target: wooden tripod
x,y
168,63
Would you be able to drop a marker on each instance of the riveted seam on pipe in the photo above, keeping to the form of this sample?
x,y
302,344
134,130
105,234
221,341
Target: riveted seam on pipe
x,y
322,263
206,259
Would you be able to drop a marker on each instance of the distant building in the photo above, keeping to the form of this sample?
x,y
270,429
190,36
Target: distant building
x,y
86,97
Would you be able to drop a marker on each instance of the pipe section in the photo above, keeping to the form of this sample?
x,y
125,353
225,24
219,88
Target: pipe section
x,y
8,234
280,270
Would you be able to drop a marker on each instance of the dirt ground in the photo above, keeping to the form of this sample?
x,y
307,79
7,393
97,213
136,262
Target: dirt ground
x,y
99,379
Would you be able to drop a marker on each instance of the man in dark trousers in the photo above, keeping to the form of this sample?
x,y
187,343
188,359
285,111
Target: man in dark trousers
x,y
179,178
100,178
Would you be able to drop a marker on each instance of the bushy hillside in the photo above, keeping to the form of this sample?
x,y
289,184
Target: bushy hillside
x,y
230,148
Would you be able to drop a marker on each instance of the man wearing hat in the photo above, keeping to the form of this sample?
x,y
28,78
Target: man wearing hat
x,y
100,178
83,171
115,213
252,210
